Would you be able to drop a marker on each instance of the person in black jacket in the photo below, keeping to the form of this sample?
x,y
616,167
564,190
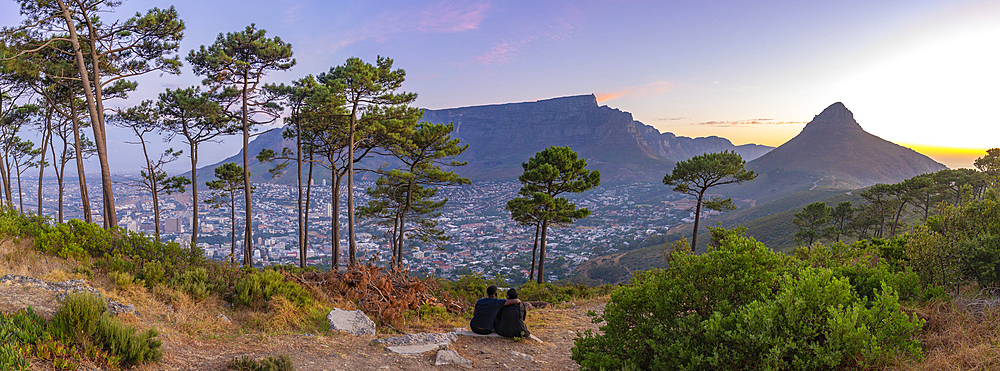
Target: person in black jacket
x,y
510,320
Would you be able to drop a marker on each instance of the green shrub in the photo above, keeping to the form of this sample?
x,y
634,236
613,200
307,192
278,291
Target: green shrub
x,y
981,259
153,273
668,306
257,288
194,281
814,322
280,363
741,306
83,319
79,316
18,331
122,280
124,341
556,293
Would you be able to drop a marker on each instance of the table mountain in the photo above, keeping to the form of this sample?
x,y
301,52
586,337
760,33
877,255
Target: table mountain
x,y
502,136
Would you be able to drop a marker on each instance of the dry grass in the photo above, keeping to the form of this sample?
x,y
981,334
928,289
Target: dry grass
x,y
955,338
19,257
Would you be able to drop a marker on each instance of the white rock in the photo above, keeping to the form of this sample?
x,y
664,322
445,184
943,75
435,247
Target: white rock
x,y
351,322
451,357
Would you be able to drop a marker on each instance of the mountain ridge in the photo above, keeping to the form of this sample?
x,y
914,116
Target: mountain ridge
x,y
502,136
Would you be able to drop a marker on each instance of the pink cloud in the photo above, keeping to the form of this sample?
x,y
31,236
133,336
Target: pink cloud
x,y
658,87
448,17
501,53
442,17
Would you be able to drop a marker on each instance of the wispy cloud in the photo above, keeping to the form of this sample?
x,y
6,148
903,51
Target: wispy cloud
x,y
502,52
739,123
507,50
669,118
448,17
441,17
658,87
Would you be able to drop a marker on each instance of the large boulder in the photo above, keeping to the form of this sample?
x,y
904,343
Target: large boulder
x,y
352,322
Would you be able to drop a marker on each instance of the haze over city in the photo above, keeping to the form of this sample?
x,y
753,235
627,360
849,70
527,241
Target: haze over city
x,y
919,73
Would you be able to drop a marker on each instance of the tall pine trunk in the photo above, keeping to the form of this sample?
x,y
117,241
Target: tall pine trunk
x,y
541,253
534,251
335,218
352,247
194,194
248,233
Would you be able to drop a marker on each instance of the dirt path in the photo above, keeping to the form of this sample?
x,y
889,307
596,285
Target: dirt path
x,y
557,328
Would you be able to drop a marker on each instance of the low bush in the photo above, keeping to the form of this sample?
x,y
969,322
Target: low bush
x,y
555,293
83,320
741,306
279,363
194,282
256,289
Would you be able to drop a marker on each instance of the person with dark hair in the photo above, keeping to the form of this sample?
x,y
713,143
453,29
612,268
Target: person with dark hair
x,y
484,314
510,320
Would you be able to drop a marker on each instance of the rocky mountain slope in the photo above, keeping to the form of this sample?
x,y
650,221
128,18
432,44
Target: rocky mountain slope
x,y
502,136
834,148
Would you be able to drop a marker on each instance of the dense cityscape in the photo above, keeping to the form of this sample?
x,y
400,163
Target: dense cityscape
x,y
482,237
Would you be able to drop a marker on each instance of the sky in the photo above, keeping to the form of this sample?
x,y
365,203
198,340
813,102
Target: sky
x,y
919,73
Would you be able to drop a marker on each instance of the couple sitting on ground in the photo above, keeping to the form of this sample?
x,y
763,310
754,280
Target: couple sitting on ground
x,y
506,317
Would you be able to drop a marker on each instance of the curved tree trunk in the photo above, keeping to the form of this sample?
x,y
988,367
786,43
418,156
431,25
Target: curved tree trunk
x,y
697,218
46,138
84,196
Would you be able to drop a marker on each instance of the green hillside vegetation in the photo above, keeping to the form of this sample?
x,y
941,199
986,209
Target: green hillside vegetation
x,y
872,304
135,268
777,231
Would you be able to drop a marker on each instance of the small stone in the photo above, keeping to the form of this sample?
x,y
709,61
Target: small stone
x,y
451,357
222,318
519,355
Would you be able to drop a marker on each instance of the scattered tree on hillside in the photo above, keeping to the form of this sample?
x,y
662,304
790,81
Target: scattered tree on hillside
x,y
840,219
194,116
234,67
144,120
22,154
406,192
699,173
550,173
989,165
229,181
372,105
105,53
10,124
813,223
298,97
526,212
